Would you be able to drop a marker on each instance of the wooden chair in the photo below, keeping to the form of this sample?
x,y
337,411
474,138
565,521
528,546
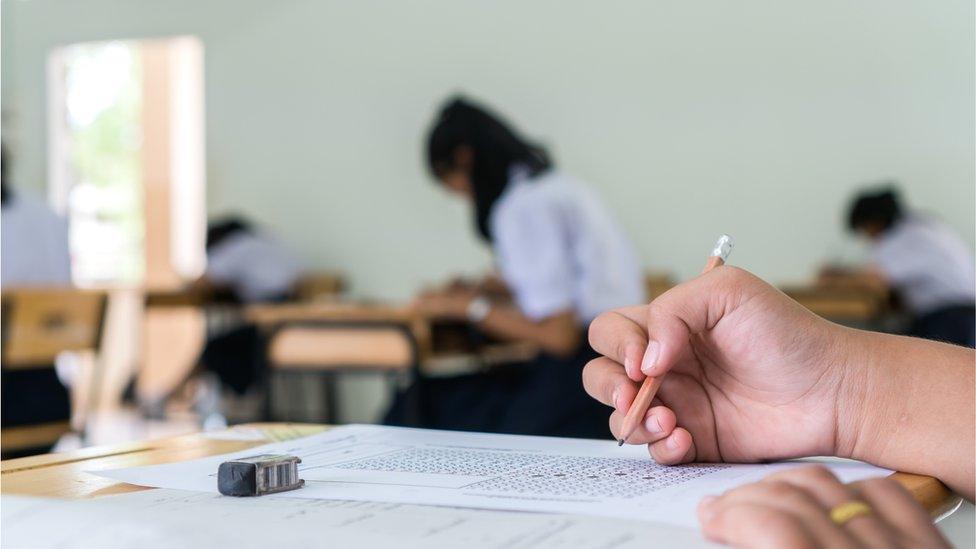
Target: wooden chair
x,y
330,349
37,325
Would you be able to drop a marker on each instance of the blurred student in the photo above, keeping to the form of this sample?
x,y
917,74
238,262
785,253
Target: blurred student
x,y
930,267
34,240
562,259
247,265
33,252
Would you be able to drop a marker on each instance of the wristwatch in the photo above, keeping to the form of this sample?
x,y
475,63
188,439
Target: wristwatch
x,y
478,309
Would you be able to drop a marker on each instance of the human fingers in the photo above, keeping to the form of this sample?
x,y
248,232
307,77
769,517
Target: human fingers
x,y
909,521
870,530
808,517
618,336
753,525
605,381
658,423
678,447
691,308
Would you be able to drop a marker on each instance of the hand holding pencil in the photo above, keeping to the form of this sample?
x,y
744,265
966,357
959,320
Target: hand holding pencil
x,y
648,390
740,371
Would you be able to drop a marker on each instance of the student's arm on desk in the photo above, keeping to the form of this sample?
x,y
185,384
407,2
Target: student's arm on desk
x,y
912,414
558,334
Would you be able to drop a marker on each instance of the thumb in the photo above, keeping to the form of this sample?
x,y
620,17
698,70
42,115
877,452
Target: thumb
x,y
687,309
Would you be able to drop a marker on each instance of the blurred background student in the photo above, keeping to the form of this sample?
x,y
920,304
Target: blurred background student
x,y
925,262
34,239
562,259
246,264
34,242
249,264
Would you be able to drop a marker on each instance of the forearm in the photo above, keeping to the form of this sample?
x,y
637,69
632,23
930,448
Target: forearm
x,y
555,335
909,405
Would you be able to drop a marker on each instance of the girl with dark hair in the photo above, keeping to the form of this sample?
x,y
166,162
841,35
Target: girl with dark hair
x,y
923,260
561,258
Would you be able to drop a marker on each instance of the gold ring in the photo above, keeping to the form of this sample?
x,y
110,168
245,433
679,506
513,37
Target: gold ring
x,y
844,513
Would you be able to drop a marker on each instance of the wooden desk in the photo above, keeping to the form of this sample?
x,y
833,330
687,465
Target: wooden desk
x,y
273,314
438,354
840,303
63,475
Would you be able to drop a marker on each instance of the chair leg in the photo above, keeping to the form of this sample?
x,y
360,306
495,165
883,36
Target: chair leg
x,y
331,398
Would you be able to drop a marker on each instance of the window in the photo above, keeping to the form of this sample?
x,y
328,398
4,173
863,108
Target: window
x,y
126,152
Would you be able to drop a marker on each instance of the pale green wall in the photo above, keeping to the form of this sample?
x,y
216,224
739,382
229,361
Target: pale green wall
x,y
755,117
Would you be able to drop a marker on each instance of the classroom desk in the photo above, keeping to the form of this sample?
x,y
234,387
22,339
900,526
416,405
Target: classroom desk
x,y
63,475
441,350
845,304
269,315
839,302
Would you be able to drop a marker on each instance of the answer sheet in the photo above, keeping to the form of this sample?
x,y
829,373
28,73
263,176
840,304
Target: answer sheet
x,y
167,519
486,471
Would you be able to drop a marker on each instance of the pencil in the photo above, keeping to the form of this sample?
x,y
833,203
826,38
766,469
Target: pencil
x,y
642,402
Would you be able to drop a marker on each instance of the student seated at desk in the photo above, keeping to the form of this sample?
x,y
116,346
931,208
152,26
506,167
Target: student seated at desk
x,y
34,242
34,252
255,267
924,261
749,375
560,254
248,265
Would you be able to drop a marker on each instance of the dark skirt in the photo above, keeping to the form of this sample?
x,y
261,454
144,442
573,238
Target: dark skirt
x,y
541,397
237,356
33,396
955,324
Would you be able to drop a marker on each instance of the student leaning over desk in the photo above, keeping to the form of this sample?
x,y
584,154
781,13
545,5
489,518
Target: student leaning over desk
x,y
922,259
750,375
562,259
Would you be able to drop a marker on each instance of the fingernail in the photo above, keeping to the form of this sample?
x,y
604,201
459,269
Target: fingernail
x,y
653,425
616,398
672,443
631,363
650,357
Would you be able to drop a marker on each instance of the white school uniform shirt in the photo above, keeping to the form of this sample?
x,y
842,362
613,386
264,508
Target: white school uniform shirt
x,y
33,243
254,265
927,263
558,248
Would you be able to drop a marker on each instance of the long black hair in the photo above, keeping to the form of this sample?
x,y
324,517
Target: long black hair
x,y
495,147
881,206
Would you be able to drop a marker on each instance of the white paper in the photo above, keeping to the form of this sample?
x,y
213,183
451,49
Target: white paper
x,y
166,519
477,470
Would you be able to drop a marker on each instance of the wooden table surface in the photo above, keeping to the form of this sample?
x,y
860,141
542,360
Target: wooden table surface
x,y
64,475
439,355
840,303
